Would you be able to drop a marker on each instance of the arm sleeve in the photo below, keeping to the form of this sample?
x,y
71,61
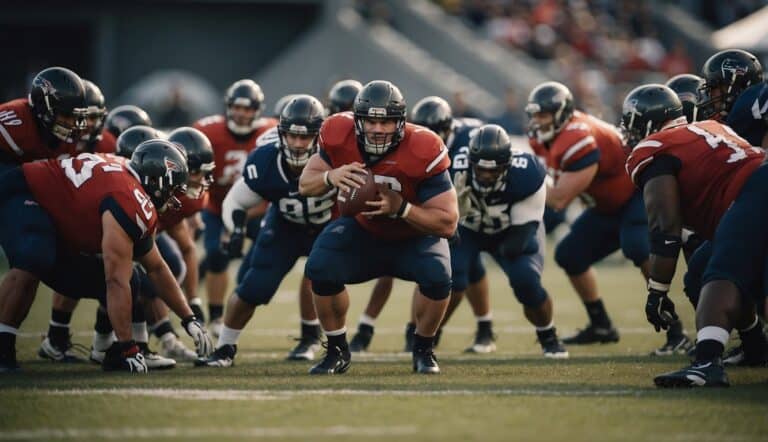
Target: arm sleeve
x,y
239,197
661,165
531,208
433,186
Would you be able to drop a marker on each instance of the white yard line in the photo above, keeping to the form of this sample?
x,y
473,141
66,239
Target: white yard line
x,y
199,433
257,395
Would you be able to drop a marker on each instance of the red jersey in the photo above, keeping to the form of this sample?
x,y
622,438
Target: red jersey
x,y
76,191
581,137
107,143
189,207
420,155
230,152
20,137
712,163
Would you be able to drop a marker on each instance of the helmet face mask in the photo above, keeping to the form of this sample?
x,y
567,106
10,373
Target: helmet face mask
x,y
379,114
490,154
488,179
244,100
163,172
69,127
727,74
550,107
298,129
200,160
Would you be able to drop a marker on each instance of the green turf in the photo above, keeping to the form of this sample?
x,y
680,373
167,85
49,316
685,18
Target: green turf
x,y
601,393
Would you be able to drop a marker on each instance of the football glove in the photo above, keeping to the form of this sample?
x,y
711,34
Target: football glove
x,y
234,248
660,310
203,342
463,192
124,356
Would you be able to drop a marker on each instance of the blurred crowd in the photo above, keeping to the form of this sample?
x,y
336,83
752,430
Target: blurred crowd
x,y
599,48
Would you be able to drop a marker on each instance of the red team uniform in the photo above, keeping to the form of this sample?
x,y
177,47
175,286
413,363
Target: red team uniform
x,y
20,137
189,207
352,250
230,153
617,218
402,170
107,143
582,136
711,163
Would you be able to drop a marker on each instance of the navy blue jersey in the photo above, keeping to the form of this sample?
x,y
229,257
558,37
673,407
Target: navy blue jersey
x,y
748,115
462,131
519,199
267,174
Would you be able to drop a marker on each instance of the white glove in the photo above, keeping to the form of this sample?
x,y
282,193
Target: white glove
x,y
463,192
203,342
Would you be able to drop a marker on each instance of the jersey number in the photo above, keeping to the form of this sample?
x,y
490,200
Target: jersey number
x,y
89,161
461,159
318,209
235,160
716,141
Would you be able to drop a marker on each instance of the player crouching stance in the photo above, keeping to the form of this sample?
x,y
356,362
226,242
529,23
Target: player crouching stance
x,y
704,177
501,200
77,224
290,226
402,235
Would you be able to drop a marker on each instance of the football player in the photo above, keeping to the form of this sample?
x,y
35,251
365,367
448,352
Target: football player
x,y
585,155
341,96
89,217
123,117
435,114
402,235
705,177
502,195
232,136
97,139
688,88
290,227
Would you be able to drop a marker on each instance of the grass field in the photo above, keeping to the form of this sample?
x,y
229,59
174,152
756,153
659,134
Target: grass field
x,y
601,393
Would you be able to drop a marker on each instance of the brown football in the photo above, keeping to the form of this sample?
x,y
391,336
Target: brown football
x,y
353,202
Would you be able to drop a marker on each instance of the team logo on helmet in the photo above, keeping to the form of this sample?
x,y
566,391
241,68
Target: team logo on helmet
x,y
171,166
733,67
48,88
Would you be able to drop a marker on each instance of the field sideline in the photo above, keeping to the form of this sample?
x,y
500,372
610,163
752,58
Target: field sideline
x,y
601,393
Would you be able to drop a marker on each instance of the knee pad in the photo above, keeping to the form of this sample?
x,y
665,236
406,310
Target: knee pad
x,y
217,261
436,292
528,289
568,260
326,288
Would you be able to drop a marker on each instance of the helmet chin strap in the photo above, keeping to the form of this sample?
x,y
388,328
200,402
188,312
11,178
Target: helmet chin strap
x,y
241,129
543,137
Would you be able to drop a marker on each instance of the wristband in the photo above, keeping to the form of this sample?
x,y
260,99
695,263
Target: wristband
x,y
665,245
404,209
326,179
658,286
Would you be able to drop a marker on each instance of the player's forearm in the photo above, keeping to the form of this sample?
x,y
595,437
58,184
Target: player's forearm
x,y
119,307
312,183
190,279
433,221
168,290
662,268
559,198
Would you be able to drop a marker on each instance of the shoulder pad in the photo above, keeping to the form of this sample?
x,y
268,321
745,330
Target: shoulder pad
x,y
336,128
209,121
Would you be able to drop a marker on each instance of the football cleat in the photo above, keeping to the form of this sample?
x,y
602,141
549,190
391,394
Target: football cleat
x,y
484,342
67,353
675,345
737,357
223,357
334,362
215,326
153,360
410,330
552,346
698,374
593,335
100,345
362,339
172,347
8,363
425,362
305,349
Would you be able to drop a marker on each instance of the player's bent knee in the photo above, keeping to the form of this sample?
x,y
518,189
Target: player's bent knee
x,y
636,251
528,289
217,261
327,288
573,263
34,256
436,292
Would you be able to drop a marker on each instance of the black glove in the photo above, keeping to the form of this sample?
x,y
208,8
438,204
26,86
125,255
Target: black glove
x,y
660,310
124,356
234,248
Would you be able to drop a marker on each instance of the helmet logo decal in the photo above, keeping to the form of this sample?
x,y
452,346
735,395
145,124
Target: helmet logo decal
x,y
732,67
47,88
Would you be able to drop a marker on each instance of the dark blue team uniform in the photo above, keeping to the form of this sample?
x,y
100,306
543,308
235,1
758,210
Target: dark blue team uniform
x,y
748,114
289,228
490,222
